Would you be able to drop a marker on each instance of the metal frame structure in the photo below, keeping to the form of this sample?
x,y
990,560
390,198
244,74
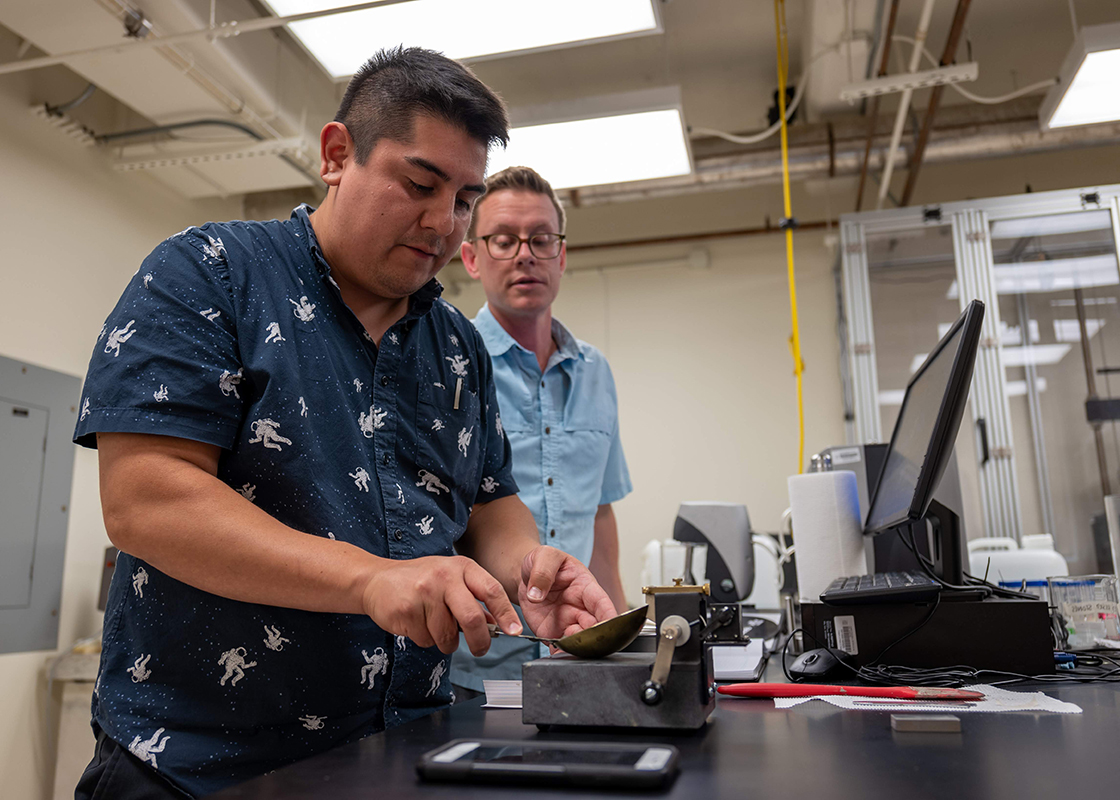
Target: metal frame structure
x,y
972,250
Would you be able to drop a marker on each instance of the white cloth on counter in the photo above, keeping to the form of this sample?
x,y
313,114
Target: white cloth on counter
x,y
995,699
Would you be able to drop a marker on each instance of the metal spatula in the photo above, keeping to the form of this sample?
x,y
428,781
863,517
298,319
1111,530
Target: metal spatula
x,y
598,641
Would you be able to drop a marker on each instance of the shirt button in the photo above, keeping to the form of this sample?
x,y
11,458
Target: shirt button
x,y
385,459
398,535
384,380
550,481
552,532
542,383
548,430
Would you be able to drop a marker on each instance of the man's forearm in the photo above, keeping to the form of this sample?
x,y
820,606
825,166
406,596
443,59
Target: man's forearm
x,y
499,536
604,556
162,504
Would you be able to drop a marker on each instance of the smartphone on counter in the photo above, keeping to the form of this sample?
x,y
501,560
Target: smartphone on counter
x,y
618,765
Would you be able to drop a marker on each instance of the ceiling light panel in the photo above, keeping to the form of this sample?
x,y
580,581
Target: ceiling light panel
x,y
587,152
1052,224
463,30
1086,92
1058,275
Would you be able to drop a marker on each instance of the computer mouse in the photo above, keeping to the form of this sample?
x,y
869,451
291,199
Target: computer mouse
x,y
818,663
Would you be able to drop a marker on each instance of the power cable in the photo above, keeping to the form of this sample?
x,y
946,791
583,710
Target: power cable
x,y
789,223
975,98
755,138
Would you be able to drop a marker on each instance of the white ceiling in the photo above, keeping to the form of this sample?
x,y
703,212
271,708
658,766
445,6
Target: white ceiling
x,y
720,52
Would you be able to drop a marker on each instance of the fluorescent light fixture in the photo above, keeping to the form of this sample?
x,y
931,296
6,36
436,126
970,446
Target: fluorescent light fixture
x,y
1037,354
1019,388
616,138
894,397
1068,330
465,30
891,397
1052,224
1089,301
1058,275
1086,92
1008,335
1040,355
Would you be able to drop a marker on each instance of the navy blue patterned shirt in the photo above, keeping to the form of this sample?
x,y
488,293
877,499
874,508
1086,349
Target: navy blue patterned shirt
x,y
235,334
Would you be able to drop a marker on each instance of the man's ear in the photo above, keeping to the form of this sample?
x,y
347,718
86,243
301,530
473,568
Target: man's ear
x,y
336,149
563,256
470,261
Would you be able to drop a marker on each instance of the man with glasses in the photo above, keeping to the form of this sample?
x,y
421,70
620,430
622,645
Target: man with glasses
x,y
557,396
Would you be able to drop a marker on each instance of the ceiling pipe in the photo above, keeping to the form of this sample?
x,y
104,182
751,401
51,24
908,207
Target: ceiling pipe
x,y
761,167
223,31
873,115
904,102
947,58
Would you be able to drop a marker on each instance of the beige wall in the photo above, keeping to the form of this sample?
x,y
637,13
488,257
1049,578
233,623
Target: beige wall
x,y
74,231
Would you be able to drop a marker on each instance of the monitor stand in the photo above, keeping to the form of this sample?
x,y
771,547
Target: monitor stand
x,y
937,536
945,543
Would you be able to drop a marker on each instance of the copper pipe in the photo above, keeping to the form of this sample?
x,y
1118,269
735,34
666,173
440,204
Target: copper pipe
x,y
873,117
696,237
947,58
1090,379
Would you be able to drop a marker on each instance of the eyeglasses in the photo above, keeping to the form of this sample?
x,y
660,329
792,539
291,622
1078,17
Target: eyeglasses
x,y
504,246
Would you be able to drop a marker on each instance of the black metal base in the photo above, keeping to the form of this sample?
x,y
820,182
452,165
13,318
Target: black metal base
x,y
566,691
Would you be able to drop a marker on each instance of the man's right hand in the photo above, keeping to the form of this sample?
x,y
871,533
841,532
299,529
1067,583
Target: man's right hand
x,y
430,599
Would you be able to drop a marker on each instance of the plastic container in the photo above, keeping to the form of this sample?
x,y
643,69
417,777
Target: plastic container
x,y
1089,608
1040,589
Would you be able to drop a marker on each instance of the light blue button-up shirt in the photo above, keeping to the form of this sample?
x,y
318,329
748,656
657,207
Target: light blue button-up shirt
x,y
562,426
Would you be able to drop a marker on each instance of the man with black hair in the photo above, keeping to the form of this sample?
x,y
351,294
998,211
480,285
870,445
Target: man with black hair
x,y
295,435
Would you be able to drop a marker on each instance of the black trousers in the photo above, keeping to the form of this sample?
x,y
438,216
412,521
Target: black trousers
x,y
116,774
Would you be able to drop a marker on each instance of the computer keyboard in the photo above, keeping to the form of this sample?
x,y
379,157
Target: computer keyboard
x,y
881,587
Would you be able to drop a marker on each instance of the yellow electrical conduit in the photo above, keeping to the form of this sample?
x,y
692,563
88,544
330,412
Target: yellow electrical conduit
x,y
788,223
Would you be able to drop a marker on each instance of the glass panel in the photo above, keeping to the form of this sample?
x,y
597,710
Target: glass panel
x,y
1047,269
913,302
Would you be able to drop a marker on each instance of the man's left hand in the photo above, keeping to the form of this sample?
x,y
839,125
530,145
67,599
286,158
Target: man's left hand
x,y
558,595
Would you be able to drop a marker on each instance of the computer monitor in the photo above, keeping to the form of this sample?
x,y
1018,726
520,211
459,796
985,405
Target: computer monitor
x,y
922,443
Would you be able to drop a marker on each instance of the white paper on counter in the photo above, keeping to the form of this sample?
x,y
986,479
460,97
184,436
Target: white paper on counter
x,y
995,699
502,694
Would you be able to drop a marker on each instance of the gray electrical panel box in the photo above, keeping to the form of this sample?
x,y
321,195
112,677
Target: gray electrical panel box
x,y
38,410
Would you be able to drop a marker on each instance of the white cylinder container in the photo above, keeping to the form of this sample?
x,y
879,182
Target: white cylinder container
x,y
827,532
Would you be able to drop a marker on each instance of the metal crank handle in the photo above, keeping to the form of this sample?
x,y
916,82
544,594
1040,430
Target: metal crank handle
x,y
674,632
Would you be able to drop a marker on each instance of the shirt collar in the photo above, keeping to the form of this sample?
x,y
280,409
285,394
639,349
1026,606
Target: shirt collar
x,y
498,340
418,305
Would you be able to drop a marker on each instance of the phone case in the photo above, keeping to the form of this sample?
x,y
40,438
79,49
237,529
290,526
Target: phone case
x,y
552,773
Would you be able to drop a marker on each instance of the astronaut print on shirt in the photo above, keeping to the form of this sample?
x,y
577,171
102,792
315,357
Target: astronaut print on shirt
x,y
271,375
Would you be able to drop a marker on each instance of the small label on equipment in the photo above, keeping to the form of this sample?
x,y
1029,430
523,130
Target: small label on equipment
x,y
846,635
455,753
846,455
654,759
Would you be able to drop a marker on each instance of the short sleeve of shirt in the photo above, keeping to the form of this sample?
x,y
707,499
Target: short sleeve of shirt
x,y
616,477
166,361
497,458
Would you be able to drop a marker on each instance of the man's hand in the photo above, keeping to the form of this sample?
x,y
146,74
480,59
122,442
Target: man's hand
x,y
558,595
430,599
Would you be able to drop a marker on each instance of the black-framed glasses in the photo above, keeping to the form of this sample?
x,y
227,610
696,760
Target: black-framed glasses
x,y
504,246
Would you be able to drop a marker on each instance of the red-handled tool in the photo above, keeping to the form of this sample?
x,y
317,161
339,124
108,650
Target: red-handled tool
x,y
815,690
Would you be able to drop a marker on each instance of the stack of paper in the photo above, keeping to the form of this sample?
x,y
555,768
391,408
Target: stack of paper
x,y
502,694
